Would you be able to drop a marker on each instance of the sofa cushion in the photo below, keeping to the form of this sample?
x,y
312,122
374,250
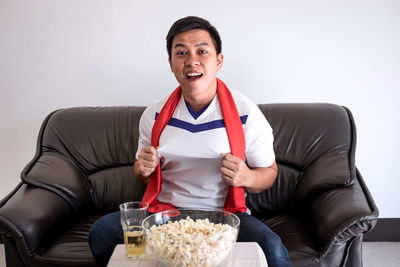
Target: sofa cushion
x,y
72,247
297,236
94,138
317,142
89,145
113,186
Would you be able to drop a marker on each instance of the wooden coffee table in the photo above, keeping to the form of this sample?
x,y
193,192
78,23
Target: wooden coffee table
x,y
243,254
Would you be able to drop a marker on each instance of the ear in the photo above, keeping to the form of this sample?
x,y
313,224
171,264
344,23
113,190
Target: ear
x,y
220,60
170,63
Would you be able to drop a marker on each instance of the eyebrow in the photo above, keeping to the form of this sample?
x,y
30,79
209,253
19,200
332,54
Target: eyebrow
x,y
197,45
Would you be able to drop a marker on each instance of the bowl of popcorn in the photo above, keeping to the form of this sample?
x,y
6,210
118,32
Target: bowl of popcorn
x,y
184,237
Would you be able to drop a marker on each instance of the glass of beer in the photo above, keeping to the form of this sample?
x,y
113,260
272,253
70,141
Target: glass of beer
x,y
132,215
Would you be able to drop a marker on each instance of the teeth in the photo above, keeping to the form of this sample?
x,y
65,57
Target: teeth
x,y
193,74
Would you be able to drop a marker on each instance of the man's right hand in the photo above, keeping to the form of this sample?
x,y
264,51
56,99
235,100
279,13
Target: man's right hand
x,y
146,163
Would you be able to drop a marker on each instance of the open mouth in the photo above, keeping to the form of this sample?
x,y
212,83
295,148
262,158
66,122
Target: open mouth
x,y
193,76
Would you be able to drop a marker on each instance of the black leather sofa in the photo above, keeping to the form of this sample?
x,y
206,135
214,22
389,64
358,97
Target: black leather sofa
x,y
319,204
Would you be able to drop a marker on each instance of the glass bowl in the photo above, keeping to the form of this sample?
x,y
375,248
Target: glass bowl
x,y
184,237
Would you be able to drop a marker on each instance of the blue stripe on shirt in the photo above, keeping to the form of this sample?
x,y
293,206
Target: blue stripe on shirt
x,y
195,128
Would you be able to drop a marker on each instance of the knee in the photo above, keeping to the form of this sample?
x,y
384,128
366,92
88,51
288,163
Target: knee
x,y
272,240
274,250
106,228
269,243
104,235
94,232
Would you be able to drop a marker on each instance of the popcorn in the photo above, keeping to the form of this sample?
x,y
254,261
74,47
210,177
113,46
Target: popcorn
x,y
191,243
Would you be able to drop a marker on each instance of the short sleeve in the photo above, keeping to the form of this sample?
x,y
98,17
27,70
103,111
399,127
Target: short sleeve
x,y
259,140
145,126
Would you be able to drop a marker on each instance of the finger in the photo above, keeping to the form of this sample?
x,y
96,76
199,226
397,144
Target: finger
x,y
148,157
233,158
229,165
227,178
146,149
232,161
149,153
149,164
147,161
146,170
150,150
227,172
143,170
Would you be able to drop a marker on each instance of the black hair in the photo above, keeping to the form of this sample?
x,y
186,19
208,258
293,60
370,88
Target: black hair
x,y
193,23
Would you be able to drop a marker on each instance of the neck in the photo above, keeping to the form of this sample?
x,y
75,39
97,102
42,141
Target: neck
x,y
198,105
197,102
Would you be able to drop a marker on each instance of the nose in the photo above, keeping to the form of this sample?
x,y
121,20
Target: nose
x,y
192,60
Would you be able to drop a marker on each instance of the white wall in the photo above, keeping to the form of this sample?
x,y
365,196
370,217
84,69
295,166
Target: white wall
x,y
56,54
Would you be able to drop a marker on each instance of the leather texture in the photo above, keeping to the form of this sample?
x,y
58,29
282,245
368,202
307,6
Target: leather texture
x,y
319,203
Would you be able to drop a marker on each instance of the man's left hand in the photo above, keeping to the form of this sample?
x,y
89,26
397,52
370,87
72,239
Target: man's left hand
x,y
234,170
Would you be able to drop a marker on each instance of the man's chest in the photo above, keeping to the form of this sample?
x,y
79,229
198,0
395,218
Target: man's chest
x,y
200,143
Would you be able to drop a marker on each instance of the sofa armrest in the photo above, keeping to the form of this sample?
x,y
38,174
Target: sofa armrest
x,y
33,216
340,214
57,174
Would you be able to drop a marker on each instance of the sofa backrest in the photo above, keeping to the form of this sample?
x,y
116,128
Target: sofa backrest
x,y
86,154
98,143
315,149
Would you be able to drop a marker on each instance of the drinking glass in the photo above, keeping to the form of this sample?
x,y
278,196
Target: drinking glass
x,y
132,215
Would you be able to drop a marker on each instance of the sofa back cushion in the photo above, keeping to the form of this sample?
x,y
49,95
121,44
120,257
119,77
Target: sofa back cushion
x,y
100,142
86,154
314,147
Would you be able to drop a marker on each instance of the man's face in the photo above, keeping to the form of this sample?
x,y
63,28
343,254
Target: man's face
x,y
194,62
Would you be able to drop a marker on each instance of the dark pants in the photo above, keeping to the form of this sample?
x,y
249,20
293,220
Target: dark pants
x,y
107,232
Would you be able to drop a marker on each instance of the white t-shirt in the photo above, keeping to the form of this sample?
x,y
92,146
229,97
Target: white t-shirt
x,y
190,148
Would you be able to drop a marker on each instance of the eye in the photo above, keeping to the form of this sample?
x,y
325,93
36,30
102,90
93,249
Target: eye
x,y
202,51
181,53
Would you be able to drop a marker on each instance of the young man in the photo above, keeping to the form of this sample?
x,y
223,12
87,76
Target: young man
x,y
202,147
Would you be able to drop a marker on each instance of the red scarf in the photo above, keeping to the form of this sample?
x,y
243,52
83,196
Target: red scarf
x,y
235,200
